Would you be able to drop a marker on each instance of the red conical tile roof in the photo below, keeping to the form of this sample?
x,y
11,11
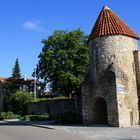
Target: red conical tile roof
x,y
108,23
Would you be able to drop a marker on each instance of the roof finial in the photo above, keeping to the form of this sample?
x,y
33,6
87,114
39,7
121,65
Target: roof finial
x,y
106,8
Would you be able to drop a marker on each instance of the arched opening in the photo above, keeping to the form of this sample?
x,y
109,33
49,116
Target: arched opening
x,y
100,111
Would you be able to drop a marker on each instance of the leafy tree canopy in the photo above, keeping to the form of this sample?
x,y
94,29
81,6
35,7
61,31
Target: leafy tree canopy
x,y
16,70
62,61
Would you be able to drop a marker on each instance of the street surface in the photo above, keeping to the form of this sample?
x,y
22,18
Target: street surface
x,y
43,131
103,132
14,131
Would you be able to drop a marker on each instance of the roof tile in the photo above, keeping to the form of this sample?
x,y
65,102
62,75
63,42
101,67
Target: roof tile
x,y
108,23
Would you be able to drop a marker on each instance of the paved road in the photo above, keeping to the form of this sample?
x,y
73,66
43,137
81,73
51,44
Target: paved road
x,y
14,131
103,132
43,131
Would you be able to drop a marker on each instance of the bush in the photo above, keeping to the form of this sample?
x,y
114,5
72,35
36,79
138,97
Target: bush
x,y
8,115
44,117
33,117
69,118
2,115
20,100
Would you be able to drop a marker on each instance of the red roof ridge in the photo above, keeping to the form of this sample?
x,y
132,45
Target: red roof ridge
x,y
108,23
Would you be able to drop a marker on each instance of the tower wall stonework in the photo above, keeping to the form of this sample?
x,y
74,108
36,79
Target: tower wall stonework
x,y
137,68
111,75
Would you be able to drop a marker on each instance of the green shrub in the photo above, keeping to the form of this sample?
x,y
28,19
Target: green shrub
x,y
27,117
33,117
2,115
20,100
44,117
8,115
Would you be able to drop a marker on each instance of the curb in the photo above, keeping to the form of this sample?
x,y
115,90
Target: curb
x,y
31,123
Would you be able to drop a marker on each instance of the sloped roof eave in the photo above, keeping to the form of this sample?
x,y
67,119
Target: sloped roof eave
x,y
136,37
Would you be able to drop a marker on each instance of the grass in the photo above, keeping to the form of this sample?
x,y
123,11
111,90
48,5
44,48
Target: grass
x,y
46,99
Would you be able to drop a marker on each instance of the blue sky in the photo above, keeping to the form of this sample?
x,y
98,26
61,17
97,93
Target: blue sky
x,y
25,23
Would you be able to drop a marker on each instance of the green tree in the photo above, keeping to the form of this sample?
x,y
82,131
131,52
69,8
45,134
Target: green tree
x,y
20,100
63,60
7,89
16,70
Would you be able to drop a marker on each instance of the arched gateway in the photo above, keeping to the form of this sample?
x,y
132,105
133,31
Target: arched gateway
x,y
100,111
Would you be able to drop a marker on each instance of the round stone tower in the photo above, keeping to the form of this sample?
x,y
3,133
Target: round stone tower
x,y
109,91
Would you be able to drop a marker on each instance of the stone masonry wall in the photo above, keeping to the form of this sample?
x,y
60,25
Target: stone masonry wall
x,y
52,107
137,68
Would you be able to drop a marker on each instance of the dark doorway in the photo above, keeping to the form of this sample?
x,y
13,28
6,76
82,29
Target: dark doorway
x,y
131,118
100,111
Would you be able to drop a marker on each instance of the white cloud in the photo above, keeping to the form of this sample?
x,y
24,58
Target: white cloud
x,y
33,25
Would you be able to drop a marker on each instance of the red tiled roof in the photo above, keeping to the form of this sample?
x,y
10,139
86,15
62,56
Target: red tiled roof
x,y
3,79
108,23
18,81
